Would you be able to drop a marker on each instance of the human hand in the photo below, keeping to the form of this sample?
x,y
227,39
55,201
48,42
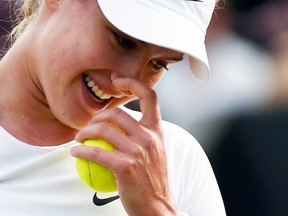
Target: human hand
x,y
139,162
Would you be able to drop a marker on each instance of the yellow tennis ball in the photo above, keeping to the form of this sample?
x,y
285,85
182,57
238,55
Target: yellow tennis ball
x,y
93,174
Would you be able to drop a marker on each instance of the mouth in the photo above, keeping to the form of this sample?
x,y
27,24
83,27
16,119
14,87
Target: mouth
x,y
97,93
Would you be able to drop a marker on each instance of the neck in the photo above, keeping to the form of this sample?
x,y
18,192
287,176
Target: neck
x,y
24,110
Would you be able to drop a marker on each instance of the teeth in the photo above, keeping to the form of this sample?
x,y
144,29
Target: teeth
x,y
91,83
96,89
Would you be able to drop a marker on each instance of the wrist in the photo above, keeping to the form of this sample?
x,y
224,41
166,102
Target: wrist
x,y
165,207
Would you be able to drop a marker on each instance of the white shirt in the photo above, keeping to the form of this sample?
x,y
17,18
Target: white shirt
x,y
43,180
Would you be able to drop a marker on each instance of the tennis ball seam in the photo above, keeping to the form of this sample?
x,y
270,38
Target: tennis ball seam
x,y
96,171
90,174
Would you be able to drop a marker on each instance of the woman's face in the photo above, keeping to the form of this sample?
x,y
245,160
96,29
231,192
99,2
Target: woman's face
x,y
78,52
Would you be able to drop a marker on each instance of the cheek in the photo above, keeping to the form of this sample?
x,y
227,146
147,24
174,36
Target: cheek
x,y
73,51
90,52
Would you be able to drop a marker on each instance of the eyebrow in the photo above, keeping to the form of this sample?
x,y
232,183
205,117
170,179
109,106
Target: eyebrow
x,y
123,34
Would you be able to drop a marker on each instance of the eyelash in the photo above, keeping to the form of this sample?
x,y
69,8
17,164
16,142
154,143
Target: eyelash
x,y
158,65
124,42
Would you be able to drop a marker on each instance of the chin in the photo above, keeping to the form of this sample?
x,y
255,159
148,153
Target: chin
x,y
76,123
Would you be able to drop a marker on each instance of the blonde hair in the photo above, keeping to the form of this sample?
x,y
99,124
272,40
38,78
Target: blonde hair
x,y
25,11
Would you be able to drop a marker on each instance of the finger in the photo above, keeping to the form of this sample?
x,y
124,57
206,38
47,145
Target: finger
x,y
136,134
115,75
148,99
118,118
101,156
106,131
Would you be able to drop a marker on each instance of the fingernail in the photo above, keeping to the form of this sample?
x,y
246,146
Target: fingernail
x,y
72,151
115,75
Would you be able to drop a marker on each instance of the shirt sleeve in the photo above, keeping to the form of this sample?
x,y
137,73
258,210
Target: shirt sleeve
x,y
191,176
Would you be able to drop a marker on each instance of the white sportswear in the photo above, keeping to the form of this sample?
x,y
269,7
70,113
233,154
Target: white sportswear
x,y
43,181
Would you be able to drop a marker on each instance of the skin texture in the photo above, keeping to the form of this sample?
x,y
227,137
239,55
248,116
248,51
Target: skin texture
x,y
43,98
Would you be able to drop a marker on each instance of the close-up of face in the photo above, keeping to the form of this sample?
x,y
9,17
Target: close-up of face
x,y
78,52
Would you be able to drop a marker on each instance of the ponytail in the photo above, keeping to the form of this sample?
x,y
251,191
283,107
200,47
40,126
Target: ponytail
x,y
25,12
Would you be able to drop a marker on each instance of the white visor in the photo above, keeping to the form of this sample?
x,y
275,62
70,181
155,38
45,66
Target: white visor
x,y
179,25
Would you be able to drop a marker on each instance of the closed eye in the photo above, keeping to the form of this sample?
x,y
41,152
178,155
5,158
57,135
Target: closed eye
x,y
125,42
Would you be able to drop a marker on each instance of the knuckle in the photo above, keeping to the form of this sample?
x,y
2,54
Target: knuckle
x,y
139,153
150,93
127,166
150,142
93,152
103,127
116,111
